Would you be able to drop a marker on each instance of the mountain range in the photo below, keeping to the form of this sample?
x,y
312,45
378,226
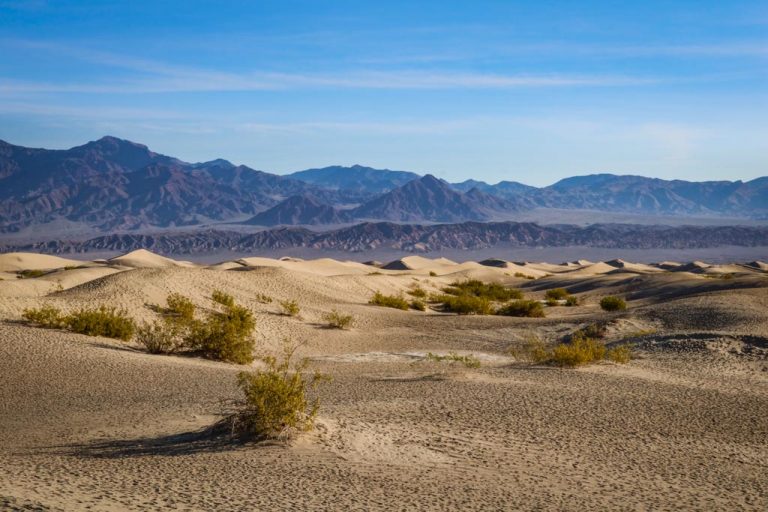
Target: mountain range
x,y
113,184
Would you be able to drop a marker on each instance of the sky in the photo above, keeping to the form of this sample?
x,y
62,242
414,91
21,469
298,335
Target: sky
x,y
489,90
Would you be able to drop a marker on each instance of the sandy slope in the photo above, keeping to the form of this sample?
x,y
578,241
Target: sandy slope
x,y
91,422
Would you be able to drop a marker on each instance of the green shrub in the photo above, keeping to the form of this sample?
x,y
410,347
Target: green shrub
x,y
179,307
389,301
621,354
222,298
103,321
469,361
553,302
571,301
338,321
557,294
432,273
28,274
418,305
467,305
489,291
612,303
596,330
46,316
225,335
158,337
577,353
417,291
523,276
276,403
534,350
264,299
290,307
523,308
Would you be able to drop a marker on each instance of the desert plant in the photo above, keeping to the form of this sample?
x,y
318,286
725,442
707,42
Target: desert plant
x,y
418,305
276,402
432,273
594,330
417,291
477,288
534,350
621,354
179,307
613,303
290,307
102,321
524,308
389,301
225,335
28,274
337,320
222,298
264,299
158,337
571,301
552,302
466,305
557,294
45,316
577,353
469,360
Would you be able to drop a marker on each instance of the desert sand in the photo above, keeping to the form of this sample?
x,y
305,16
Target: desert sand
x,y
99,424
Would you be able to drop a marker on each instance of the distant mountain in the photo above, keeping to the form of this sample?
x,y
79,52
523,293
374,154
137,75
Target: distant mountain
x,y
420,238
113,183
300,210
355,179
430,199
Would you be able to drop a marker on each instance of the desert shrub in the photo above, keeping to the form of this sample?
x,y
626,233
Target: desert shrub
x,y
158,337
225,335
621,354
467,305
276,402
418,305
46,316
222,298
552,302
264,299
577,353
534,350
432,273
389,301
557,294
337,320
524,308
523,276
290,307
28,274
612,303
102,321
179,307
417,291
469,360
594,330
477,288
571,301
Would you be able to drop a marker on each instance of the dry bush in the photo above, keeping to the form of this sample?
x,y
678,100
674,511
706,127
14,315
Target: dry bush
x,y
534,350
596,330
222,298
557,294
290,307
577,353
466,305
45,316
417,291
263,299
469,361
621,354
276,403
389,301
571,301
522,308
489,291
158,337
102,321
612,303
418,305
29,274
225,335
337,320
179,307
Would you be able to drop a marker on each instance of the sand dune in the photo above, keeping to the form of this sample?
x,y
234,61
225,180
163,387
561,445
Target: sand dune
x,y
15,261
97,423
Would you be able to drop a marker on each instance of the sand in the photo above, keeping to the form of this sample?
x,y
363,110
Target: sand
x,y
97,423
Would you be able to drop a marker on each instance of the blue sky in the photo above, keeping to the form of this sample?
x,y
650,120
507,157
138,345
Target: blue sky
x,y
492,90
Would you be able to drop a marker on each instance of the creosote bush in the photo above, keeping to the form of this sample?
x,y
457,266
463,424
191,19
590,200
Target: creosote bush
x,y
337,320
522,308
534,350
102,321
290,307
389,301
418,305
557,294
264,299
432,273
489,291
466,305
596,330
577,353
469,360
523,276
179,307
571,301
612,303
417,291
46,316
29,274
621,354
276,403
225,335
158,337
222,298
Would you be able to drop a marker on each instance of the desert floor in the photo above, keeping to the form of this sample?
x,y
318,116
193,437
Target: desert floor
x,y
97,424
